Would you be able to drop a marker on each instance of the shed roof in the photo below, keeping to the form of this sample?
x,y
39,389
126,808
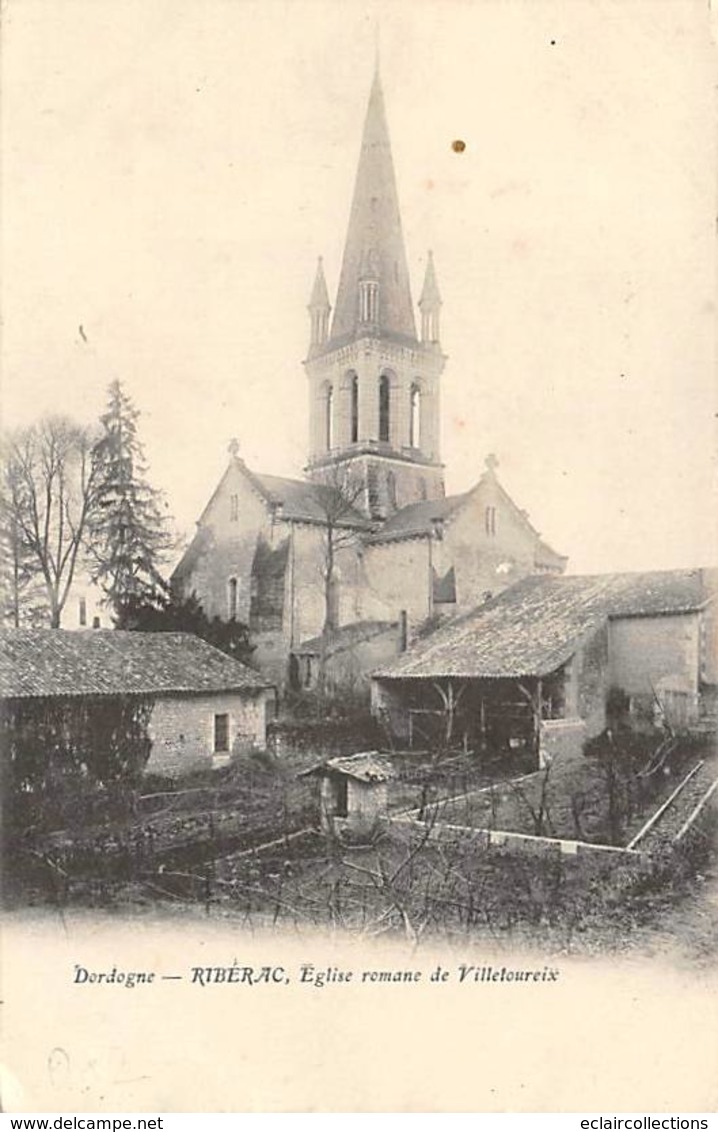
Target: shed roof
x,y
533,627
419,518
345,637
308,501
58,662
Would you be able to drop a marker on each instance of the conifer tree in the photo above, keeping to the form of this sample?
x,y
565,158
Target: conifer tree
x,y
130,533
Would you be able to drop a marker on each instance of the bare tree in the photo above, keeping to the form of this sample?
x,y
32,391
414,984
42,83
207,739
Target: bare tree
x,y
537,806
50,470
21,600
338,498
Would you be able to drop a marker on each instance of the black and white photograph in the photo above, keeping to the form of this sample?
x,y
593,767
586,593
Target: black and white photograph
x,y
359,569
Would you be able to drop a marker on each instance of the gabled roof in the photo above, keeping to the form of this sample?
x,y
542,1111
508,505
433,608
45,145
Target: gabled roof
x,y
297,500
366,766
345,637
374,245
419,519
534,627
106,662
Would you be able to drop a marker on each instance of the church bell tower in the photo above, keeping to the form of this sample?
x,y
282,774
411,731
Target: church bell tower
x,y
373,384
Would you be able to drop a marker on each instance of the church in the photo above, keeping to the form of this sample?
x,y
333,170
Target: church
x,y
341,570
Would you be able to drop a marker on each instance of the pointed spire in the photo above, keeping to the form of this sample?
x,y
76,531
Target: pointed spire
x,y
430,303
319,299
430,296
374,288
319,308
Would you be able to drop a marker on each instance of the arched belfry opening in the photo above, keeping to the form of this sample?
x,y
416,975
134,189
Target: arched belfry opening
x,y
353,408
382,413
384,408
415,416
329,418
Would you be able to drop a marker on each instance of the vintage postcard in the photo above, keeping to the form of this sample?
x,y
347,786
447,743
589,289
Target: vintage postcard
x,y
359,645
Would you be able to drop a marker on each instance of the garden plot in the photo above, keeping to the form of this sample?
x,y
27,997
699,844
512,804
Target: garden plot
x,y
592,800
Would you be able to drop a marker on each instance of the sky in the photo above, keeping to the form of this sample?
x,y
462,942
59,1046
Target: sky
x,y
173,168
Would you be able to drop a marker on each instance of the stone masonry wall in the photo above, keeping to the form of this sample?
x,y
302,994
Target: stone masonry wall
x,y
182,728
645,650
397,575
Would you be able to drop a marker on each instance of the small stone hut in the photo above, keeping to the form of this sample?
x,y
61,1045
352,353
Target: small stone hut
x,y
353,791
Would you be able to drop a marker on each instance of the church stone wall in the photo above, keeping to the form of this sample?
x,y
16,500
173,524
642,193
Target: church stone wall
x,y
229,547
397,576
485,562
306,588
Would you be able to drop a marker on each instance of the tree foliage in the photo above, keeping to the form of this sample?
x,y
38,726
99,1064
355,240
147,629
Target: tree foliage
x,y
129,531
173,614
63,755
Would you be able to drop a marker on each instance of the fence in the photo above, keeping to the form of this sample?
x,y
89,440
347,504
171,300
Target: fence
x,y
507,839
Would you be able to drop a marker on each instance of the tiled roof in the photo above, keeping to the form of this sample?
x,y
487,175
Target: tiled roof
x,y
419,518
300,500
533,627
366,766
312,502
57,662
346,637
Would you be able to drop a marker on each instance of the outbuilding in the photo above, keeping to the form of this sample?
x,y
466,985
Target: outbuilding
x,y
353,791
551,661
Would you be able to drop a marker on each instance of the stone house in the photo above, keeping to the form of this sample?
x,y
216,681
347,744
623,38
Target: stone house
x,y
536,667
205,706
370,534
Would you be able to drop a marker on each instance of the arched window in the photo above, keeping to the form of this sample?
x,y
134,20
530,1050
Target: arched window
x,y
415,417
354,408
490,520
232,587
384,402
329,418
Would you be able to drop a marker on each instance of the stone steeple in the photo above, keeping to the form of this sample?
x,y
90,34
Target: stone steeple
x,y
374,295
430,305
373,386
319,308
